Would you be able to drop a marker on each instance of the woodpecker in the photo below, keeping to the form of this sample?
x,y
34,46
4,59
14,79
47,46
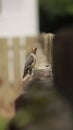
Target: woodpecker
x,y
30,62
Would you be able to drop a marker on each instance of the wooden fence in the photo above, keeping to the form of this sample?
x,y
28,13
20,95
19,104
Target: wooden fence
x,y
13,52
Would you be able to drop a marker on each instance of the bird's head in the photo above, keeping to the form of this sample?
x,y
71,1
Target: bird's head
x,y
34,50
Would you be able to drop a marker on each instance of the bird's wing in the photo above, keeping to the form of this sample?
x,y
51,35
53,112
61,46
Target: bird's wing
x,y
29,61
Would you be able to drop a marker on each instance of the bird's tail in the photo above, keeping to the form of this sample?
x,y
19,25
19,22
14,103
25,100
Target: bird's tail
x,y
25,72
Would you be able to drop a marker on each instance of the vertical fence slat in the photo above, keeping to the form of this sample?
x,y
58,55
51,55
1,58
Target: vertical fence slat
x,y
4,70
16,48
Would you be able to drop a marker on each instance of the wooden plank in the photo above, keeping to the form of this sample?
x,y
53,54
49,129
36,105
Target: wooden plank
x,y
4,69
16,48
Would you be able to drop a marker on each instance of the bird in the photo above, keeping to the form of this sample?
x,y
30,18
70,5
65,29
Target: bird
x,y
30,62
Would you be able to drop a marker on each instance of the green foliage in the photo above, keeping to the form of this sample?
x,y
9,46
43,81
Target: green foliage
x,y
37,109
57,7
3,124
23,117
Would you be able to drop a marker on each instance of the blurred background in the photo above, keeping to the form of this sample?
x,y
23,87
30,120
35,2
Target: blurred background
x,y
25,24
